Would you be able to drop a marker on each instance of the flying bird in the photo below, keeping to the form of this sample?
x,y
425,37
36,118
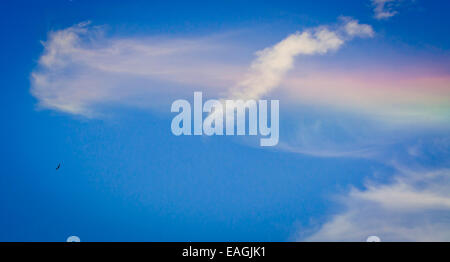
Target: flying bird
x,y
59,165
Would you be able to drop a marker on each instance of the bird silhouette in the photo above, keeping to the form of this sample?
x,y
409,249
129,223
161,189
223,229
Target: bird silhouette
x,y
59,165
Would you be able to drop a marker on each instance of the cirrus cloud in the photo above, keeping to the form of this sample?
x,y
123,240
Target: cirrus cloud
x,y
82,69
383,9
415,207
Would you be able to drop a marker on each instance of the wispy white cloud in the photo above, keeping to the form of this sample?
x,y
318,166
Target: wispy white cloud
x,y
383,9
82,69
415,207
353,28
272,63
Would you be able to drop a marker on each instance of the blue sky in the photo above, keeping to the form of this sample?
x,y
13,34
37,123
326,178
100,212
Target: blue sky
x,y
364,145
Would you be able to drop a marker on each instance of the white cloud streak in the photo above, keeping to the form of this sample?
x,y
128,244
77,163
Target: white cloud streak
x,y
415,207
272,63
383,9
81,69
